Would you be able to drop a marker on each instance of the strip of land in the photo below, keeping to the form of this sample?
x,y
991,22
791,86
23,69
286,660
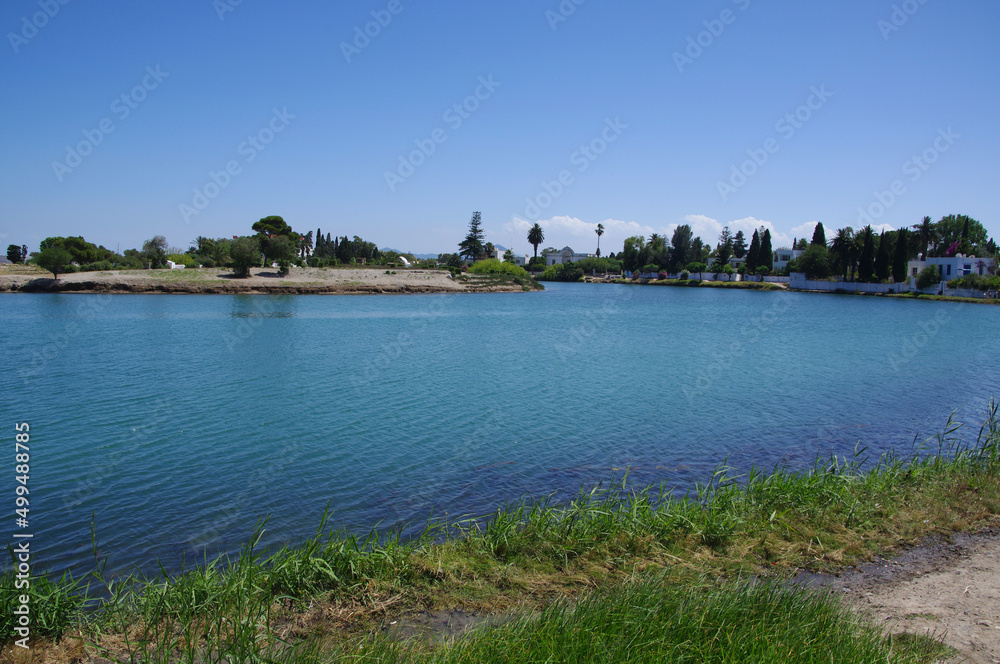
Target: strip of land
x,y
300,281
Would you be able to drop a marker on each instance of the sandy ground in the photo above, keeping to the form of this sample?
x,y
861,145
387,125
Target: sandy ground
x,y
949,589
211,280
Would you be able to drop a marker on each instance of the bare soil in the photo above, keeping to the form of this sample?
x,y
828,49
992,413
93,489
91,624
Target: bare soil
x,y
266,280
948,588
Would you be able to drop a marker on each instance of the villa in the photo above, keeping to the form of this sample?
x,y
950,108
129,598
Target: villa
x,y
782,257
952,267
567,255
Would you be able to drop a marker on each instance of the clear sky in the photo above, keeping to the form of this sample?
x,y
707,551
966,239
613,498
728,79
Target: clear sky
x,y
639,115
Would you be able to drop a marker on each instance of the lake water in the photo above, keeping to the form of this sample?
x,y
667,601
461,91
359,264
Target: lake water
x,y
179,421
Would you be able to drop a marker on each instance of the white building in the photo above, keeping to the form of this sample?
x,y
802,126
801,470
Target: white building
x,y
782,257
567,255
518,260
953,267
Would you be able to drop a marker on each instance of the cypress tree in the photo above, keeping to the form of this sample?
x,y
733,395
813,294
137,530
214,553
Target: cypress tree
x,y
766,256
882,258
900,256
819,235
866,265
752,253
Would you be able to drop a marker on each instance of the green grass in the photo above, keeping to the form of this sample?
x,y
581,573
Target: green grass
x,y
665,619
322,596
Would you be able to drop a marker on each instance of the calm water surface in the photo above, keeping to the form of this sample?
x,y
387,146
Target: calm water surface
x,y
178,421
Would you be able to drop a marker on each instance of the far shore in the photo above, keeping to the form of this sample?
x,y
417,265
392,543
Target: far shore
x,y
300,281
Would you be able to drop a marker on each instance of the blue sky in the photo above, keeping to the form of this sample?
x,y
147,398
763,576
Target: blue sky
x,y
637,115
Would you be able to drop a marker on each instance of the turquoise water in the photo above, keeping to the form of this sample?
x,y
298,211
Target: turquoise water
x,y
179,421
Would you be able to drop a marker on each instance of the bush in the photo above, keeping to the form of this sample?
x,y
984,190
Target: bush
x,y
815,262
929,276
207,262
70,269
187,260
976,282
650,268
99,266
495,266
564,272
245,252
683,275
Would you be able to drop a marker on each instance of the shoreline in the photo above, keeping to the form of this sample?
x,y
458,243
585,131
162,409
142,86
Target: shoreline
x,y
263,281
872,532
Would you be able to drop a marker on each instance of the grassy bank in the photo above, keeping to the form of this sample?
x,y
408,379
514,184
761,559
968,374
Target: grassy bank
x,y
585,566
942,298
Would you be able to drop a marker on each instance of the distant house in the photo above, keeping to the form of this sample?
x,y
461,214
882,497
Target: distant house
x,y
782,257
567,255
175,266
518,260
952,267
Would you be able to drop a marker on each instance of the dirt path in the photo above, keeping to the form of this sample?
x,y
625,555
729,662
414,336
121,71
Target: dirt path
x,y
948,588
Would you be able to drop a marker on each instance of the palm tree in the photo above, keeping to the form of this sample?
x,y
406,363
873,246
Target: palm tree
x,y
841,247
927,230
600,232
535,237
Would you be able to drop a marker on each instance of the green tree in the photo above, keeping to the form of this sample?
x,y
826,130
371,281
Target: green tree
x,y
535,237
155,251
866,262
962,229
928,233
680,248
819,234
766,256
245,253
750,266
271,226
508,256
472,246
841,248
900,256
14,254
739,245
882,258
600,232
724,250
815,262
53,259
633,253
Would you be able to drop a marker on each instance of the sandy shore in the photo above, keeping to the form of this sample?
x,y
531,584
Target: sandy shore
x,y
212,280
